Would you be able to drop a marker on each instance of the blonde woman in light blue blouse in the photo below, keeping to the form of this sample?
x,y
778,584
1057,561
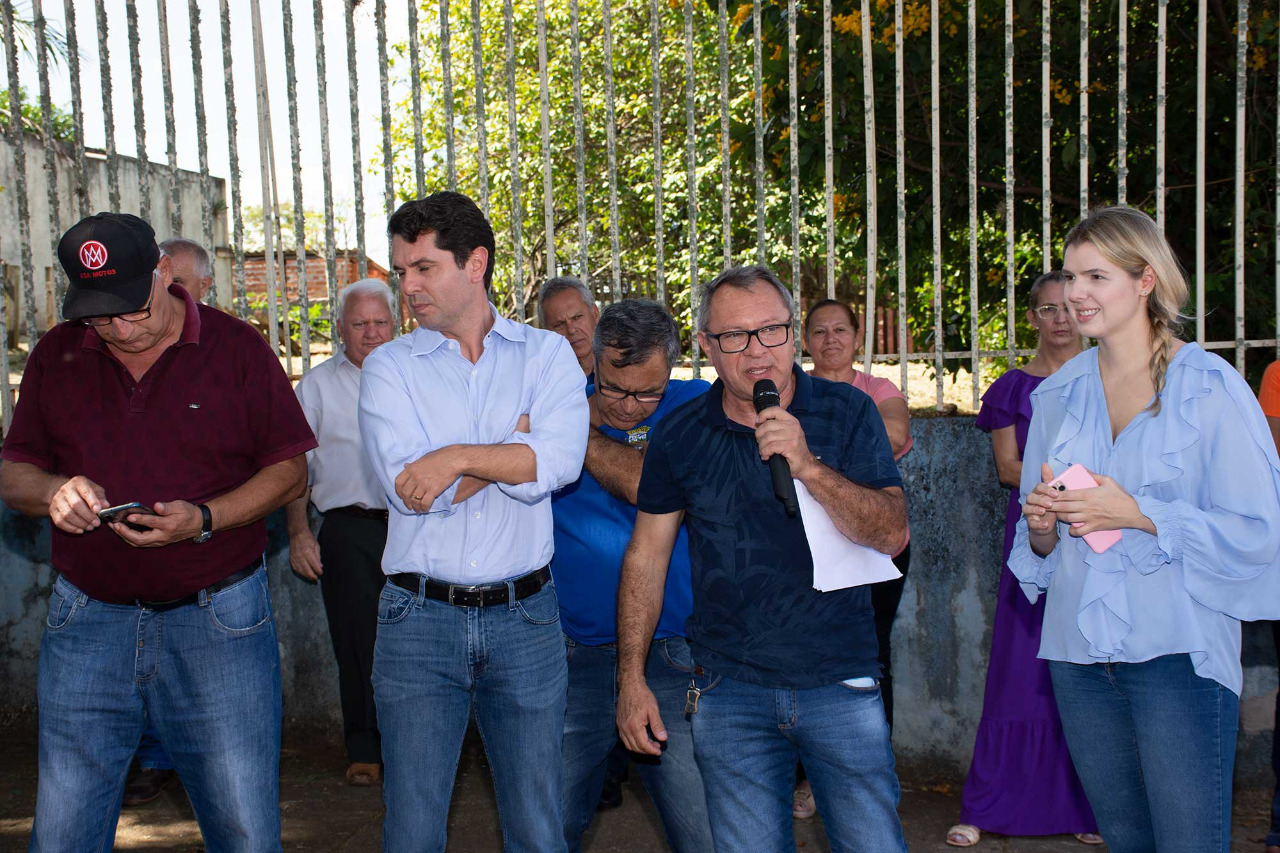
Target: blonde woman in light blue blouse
x,y
1143,639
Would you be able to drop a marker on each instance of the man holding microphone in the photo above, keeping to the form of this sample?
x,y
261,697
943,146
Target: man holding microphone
x,y
781,671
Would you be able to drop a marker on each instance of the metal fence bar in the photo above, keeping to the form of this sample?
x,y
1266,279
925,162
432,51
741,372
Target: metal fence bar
x,y
16,137
388,154
322,88
900,170
81,188
975,363
170,126
1046,142
793,138
1122,108
871,225
575,43
828,155
415,88
757,72
446,75
357,159
1242,55
202,143
936,146
691,133
1162,78
139,113
659,225
50,153
1009,260
1201,118
266,165
233,145
108,108
544,108
482,128
299,211
513,144
1084,115
726,179
611,148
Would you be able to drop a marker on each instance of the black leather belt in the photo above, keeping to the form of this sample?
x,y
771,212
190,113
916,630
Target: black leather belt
x,y
460,595
359,512
230,580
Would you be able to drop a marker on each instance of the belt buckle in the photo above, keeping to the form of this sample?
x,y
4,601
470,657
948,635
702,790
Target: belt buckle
x,y
454,588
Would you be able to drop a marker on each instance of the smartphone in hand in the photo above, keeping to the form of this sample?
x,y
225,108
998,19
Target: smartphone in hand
x,y
118,513
1078,477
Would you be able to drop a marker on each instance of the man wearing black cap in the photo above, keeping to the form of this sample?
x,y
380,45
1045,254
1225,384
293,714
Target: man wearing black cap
x,y
160,612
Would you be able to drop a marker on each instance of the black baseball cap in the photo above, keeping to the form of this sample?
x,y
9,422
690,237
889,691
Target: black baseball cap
x,y
109,258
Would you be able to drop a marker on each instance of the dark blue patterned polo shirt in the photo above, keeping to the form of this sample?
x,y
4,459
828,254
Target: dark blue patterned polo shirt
x,y
756,616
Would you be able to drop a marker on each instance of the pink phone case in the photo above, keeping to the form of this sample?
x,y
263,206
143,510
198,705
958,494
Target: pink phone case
x,y
1078,477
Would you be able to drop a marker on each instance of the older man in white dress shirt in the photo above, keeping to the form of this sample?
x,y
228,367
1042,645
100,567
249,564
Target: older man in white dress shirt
x,y
346,557
471,422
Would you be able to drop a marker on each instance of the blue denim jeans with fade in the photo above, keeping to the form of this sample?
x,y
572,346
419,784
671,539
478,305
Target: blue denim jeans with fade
x,y
747,738
672,780
1154,745
207,676
432,663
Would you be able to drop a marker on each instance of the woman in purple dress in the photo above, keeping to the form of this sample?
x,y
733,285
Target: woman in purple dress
x,y
1021,780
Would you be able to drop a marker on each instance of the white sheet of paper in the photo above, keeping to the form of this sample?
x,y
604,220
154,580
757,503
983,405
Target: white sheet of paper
x,y
837,562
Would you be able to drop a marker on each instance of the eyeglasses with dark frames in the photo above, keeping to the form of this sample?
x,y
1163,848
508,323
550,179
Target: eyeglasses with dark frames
x,y
774,335
641,396
129,317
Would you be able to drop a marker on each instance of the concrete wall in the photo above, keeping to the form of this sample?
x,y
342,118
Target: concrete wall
x,y
43,238
941,640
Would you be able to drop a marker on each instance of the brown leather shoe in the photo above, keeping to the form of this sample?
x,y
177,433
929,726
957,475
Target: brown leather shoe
x,y
146,786
362,775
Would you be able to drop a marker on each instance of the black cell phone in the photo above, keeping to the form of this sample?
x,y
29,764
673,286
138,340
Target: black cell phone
x,y
118,513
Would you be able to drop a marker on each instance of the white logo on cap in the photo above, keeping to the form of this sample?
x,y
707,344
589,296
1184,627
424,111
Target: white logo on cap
x,y
93,254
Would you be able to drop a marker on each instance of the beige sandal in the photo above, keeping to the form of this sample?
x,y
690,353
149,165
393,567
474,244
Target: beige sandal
x,y
802,804
1093,839
963,835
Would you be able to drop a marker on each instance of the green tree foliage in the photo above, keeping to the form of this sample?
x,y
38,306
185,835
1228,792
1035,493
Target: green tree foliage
x,y
33,117
1103,106
635,146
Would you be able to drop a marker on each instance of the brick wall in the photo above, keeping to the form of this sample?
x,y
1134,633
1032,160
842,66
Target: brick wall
x,y
348,270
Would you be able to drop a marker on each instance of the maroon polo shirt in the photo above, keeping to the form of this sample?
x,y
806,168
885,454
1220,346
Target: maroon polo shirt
x,y
212,411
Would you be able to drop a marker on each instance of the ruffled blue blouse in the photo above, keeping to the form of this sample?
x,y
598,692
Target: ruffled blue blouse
x,y
1205,471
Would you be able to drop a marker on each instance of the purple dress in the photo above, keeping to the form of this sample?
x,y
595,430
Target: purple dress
x,y
1021,780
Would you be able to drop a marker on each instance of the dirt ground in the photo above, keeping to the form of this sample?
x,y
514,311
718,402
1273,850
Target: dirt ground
x,y
320,813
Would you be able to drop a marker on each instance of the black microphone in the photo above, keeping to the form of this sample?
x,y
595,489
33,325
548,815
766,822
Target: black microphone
x,y
765,395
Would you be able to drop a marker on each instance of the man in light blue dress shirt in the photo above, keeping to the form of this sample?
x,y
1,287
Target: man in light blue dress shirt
x,y
471,422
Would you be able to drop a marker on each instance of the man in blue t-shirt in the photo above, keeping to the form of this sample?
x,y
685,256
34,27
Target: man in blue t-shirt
x,y
635,344
782,671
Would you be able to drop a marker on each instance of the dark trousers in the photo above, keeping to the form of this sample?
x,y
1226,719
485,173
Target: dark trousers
x,y
1273,837
884,601
351,551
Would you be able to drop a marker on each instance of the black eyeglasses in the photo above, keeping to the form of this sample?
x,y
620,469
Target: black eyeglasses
x,y
775,335
641,396
130,317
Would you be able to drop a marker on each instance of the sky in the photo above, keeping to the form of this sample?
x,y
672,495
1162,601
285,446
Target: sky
x,y
183,106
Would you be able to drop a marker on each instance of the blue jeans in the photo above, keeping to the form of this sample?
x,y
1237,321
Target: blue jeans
x,y
747,739
432,661
672,780
207,675
1154,745
151,754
